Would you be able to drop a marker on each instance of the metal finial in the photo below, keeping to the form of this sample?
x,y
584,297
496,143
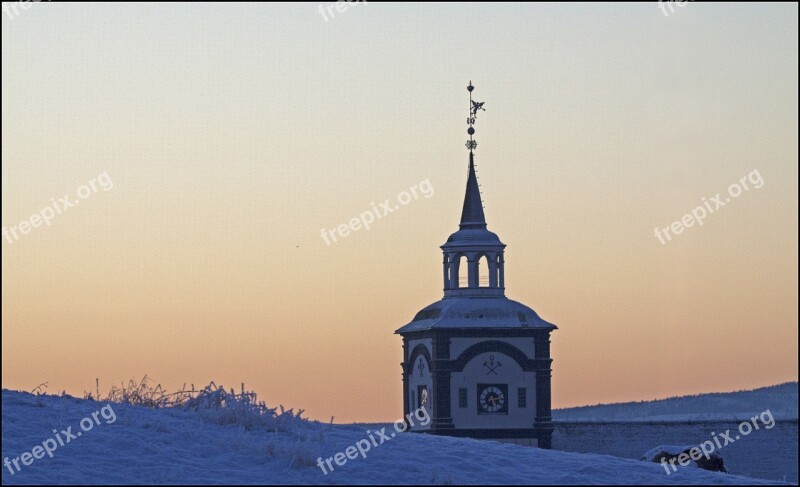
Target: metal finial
x,y
474,106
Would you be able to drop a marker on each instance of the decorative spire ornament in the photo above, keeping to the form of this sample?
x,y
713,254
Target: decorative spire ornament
x,y
472,213
474,106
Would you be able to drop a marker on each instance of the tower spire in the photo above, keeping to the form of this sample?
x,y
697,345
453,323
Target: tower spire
x,y
472,216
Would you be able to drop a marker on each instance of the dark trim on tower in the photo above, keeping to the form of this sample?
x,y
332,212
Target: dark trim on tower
x,y
478,332
440,374
404,366
527,365
420,349
543,421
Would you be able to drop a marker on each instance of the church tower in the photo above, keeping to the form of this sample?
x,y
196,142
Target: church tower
x,y
478,362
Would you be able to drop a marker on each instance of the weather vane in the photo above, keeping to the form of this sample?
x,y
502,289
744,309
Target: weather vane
x,y
474,106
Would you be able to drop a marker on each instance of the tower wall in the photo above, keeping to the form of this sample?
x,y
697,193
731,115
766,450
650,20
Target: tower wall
x,y
457,364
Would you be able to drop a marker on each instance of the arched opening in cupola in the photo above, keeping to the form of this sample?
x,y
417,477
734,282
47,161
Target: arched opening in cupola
x,y
483,271
462,271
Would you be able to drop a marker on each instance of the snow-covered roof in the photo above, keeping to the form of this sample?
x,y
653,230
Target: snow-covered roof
x,y
490,312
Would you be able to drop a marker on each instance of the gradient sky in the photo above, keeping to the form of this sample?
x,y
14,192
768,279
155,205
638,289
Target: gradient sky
x,y
234,133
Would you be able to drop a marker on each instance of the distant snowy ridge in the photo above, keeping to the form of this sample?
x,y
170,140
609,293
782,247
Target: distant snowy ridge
x,y
780,400
139,445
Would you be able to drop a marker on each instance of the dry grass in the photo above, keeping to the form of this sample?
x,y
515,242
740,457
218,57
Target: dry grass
x,y
145,393
213,402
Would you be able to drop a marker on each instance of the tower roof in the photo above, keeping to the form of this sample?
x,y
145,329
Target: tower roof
x,y
486,313
472,216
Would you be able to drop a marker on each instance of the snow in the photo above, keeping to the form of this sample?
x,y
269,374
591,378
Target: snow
x,y
158,446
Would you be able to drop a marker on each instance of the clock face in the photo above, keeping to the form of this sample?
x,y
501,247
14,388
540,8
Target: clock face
x,y
492,399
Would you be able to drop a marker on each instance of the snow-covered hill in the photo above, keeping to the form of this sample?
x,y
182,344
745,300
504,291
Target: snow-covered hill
x,y
119,443
780,400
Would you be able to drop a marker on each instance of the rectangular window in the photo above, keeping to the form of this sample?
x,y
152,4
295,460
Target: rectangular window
x,y
462,398
522,397
413,399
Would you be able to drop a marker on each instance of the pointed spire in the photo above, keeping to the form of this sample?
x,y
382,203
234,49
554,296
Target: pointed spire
x,y
472,213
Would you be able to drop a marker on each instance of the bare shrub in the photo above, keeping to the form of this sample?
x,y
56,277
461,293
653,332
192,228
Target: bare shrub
x,y
214,403
226,407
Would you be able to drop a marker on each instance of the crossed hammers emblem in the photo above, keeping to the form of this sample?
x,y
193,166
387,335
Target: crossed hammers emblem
x,y
492,365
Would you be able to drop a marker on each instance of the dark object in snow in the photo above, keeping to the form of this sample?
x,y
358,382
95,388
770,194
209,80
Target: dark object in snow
x,y
671,454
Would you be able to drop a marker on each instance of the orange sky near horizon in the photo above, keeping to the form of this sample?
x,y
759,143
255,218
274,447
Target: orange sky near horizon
x,y
233,134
